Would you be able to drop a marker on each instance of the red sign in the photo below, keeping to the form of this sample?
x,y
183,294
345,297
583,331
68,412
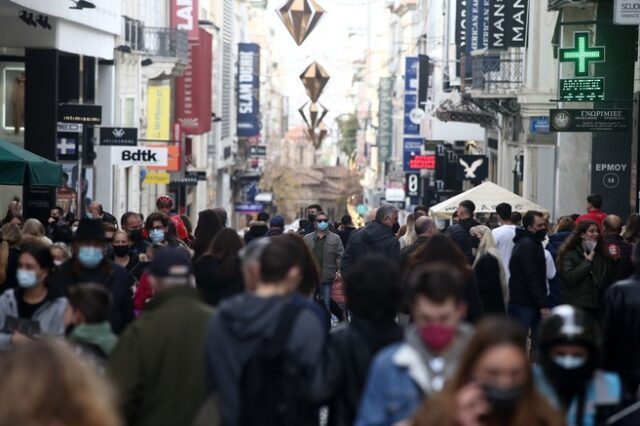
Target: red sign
x,y
193,89
420,162
184,16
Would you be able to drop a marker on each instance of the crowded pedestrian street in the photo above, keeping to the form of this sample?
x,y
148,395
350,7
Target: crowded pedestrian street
x,y
319,213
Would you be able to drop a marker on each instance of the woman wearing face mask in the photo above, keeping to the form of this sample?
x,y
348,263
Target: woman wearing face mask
x,y
34,299
89,264
60,253
585,266
492,386
161,232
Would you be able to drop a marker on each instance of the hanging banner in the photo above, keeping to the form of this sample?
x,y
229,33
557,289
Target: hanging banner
x,y
412,148
411,107
193,89
477,24
184,16
248,90
157,178
385,118
461,27
507,24
158,112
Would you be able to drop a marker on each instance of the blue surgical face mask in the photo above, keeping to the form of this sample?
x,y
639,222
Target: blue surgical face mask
x,y
570,362
322,226
26,279
90,256
157,236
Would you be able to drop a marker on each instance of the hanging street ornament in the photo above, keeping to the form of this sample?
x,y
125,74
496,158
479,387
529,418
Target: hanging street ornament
x,y
314,79
317,135
300,17
314,114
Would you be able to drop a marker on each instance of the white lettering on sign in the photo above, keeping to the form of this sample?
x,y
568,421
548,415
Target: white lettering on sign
x,y
140,156
184,13
245,79
611,167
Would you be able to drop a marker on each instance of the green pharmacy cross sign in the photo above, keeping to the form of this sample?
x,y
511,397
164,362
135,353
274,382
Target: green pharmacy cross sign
x,y
581,54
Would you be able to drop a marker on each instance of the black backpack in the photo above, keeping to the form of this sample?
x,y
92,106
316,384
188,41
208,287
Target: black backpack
x,y
267,386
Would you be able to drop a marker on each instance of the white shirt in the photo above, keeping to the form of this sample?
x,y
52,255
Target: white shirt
x,y
551,268
504,241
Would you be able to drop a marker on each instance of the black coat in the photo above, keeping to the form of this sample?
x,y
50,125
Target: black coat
x,y
459,232
345,233
621,322
373,238
407,252
487,271
528,268
351,351
110,275
212,284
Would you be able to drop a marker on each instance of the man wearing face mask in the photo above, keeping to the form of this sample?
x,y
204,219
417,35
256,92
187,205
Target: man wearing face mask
x,y
459,231
58,230
528,299
376,237
569,350
132,224
90,265
312,211
327,249
402,375
158,227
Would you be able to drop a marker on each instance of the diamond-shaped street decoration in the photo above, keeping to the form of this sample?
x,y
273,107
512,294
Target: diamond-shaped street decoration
x,y
317,135
300,17
314,114
314,79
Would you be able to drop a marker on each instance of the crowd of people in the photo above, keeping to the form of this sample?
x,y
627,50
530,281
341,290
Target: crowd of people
x,y
505,319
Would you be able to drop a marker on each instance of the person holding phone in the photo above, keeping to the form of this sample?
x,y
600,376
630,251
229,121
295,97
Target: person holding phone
x,y
586,267
33,307
493,384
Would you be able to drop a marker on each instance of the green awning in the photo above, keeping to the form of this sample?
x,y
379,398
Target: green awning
x,y
21,167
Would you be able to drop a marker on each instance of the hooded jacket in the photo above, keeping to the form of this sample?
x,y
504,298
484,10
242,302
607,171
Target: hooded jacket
x,y
50,315
373,238
528,280
234,333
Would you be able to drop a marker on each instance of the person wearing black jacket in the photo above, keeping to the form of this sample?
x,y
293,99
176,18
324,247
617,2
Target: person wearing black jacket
x,y
345,229
373,298
622,314
528,296
459,232
58,230
90,265
376,237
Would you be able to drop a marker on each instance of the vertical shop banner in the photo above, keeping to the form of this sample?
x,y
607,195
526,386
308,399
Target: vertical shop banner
x,y
184,16
248,90
477,24
508,23
193,89
411,95
158,112
385,118
461,26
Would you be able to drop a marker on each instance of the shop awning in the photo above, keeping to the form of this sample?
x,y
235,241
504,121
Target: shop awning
x,y
21,167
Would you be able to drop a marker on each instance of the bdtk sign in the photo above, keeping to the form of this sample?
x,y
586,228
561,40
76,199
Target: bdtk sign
x,y
125,156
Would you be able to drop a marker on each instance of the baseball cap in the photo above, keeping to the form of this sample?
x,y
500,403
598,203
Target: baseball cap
x,y
171,262
277,221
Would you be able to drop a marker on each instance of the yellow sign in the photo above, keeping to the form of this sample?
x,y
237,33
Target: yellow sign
x,y
159,112
157,178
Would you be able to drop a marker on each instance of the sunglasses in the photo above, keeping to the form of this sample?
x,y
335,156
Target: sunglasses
x,y
322,220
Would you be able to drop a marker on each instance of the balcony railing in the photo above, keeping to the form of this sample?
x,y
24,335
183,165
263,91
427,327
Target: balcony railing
x,y
558,4
166,43
497,73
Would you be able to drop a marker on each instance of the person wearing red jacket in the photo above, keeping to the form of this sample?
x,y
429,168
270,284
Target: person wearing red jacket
x,y
164,203
594,204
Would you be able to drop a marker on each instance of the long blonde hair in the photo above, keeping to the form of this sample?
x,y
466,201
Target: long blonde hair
x,y
45,383
10,235
488,246
410,235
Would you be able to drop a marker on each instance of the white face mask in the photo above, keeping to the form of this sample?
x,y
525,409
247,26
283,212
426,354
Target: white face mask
x,y
589,245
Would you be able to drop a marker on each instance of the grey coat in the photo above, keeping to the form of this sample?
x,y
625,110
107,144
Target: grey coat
x,y
333,251
50,316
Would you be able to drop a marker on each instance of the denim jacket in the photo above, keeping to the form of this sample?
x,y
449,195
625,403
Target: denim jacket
x,y
399,379
603,391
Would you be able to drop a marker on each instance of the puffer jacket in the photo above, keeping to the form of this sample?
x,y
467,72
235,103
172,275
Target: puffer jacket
x,y
373,238
50,315
584,280
528,278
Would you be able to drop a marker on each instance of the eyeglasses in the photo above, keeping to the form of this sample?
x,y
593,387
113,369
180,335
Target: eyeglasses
x,y
322,220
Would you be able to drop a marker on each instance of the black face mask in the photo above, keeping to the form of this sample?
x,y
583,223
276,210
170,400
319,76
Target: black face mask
x,y
541,234
121,251
311,217
395,227
136,235
502,400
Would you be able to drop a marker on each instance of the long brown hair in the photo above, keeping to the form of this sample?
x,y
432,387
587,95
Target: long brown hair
x,y
10,236
575,240
305,260
208,226
632,228
225,247
442,249
29,374
532,409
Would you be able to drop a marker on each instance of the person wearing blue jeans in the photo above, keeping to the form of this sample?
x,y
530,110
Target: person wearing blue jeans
x,y
327,249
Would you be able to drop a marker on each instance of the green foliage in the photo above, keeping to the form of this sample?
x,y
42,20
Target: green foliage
x,y
348,127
